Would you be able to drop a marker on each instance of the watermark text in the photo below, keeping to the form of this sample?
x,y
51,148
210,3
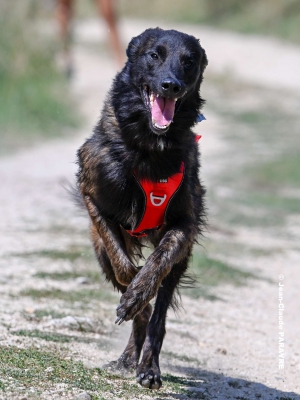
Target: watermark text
x,y
281,322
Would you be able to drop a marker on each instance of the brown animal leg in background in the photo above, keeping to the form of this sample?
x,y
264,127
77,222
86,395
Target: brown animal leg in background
x,y
107,9
64,14
148,371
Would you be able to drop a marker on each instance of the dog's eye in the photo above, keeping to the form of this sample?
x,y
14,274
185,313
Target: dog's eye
x,y
154,56
188,63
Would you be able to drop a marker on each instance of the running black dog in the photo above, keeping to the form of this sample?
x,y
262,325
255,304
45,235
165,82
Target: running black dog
x,y
138,177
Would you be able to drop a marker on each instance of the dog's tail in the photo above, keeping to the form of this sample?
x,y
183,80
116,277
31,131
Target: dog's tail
x,y
187,281
74,194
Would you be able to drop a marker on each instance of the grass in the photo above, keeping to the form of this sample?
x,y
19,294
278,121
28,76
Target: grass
x,y
210,272
93,276
72,253
31,107
261,168
82,296
52,336
41,313
280,19
283,171
43,370
184,358
34,97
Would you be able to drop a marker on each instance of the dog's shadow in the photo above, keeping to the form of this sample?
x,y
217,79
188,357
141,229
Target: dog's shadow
x,y
206,385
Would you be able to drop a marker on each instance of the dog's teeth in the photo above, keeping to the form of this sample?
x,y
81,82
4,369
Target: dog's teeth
x,y
151,98
160,126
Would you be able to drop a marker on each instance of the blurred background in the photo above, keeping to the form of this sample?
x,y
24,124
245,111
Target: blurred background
x,y
57,60
31,48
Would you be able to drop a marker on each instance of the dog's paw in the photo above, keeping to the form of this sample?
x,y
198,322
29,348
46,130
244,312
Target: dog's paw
x,y
130,305
149,379
120,366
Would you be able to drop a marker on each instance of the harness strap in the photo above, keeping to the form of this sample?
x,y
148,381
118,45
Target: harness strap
x,y
158,196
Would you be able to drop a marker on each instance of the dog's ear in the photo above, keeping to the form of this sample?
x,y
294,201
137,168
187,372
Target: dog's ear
x,y
133,48
204,60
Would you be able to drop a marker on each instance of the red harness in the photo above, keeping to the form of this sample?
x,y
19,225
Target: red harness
x,y
158,196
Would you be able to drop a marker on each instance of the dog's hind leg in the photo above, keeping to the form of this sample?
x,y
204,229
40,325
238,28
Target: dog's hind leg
x,y
129,359
148,371
131,355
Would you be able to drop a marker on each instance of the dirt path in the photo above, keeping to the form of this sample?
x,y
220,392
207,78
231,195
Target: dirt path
x,y
51,298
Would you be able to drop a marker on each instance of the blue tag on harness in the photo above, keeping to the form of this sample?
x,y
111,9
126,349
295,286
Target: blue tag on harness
x,y
200,118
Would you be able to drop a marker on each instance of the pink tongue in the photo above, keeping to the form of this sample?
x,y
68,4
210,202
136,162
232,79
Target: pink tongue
x,y
163,110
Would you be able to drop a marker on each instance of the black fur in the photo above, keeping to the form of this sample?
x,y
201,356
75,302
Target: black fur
x,y
126,141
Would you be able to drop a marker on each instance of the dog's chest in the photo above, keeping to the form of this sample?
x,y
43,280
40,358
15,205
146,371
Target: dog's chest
x,y
157,196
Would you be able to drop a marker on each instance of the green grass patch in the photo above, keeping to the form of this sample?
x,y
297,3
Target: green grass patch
x,y
274,203
209,272
198,292
32,367
266,193
34,96
260,169
42,370
48,336
33,107
281,172
41,313
182,357
53,336
212,272
72,253
94,276
280,19
83,296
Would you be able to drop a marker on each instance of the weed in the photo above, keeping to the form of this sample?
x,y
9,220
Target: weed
x,y
181,357
72,253
34,95
212,272
83,296
43,369
94,276
261,168
52,336
281,19
278,173
41,313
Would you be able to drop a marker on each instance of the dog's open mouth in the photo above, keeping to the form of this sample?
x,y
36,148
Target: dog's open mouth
x,y
162,110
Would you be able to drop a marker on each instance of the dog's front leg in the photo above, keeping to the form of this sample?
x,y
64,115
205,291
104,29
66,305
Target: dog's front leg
x,y
173,247
123,268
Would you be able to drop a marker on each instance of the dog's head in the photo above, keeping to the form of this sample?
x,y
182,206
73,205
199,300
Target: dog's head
x,y
166,67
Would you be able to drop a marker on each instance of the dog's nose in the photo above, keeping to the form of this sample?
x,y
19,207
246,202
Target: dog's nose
x,y
171,87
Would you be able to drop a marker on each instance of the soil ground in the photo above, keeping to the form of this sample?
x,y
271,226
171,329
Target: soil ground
x,y
57,314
